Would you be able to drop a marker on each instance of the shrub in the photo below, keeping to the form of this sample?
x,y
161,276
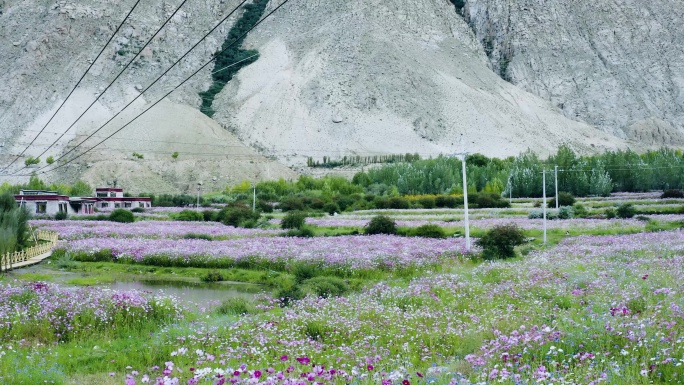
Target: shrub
x,y
430,231
500,241
62,215
580,211
236,216
331,208
427,202
381,224
325,287
564,199
121,216
610,213
399,203
189,216
293,220
672,194
138,210
209,215
235,306
292,204
213,276
264,206
304,232
289,294
448,201
625,210
565,212
539,214
484,201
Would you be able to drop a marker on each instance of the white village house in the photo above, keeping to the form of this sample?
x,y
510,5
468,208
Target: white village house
x,y
50,203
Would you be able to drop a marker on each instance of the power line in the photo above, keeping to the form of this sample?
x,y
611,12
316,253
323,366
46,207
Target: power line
x,y
178,86
111,83
77,84
154,82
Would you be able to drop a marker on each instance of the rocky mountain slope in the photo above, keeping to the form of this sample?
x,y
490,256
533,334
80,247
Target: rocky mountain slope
x,y
342,78
617,65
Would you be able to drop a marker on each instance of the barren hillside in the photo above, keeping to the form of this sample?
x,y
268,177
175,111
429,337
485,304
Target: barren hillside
x,y
342,78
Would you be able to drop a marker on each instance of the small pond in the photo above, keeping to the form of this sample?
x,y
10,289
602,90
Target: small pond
x,y
186,290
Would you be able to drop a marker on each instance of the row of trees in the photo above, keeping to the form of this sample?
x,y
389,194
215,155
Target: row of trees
x,y
329,162
78,189
521,176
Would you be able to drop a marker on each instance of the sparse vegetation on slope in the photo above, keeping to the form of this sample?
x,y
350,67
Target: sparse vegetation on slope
x,y
226,66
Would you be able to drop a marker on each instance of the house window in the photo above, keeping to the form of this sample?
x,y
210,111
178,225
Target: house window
x,y
105,205
62,208
140,204
117,205
112,194
41,207
127,204
102,195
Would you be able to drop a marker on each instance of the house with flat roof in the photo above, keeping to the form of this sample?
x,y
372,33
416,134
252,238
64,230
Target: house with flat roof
x,y
50,203
113,198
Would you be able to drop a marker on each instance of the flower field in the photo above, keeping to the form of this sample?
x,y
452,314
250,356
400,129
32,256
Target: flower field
x,y
343,252
487,223
49,313
71,230
591,310
601,303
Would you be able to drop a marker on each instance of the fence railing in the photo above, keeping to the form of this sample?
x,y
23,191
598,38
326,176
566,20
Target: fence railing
x,y
7,261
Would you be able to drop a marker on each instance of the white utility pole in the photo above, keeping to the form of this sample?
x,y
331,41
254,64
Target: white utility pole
x,y
254,200
556,172
544,202
199,188
465,199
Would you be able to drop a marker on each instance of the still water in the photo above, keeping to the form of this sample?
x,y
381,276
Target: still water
x,y
187,291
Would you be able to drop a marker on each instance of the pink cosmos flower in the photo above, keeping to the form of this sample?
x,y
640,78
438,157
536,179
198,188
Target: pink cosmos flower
x,y
283,358
303,360
257,373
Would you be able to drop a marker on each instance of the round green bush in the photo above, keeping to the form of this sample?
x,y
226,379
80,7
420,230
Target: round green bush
x,y
60,216
138,210
189,216
381,224
564,199
237,216
325,287
293,220
430,231
331,208
565,212
625,210
121,216
500,241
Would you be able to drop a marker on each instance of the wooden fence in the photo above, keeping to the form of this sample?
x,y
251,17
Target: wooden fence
x,y
7,261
